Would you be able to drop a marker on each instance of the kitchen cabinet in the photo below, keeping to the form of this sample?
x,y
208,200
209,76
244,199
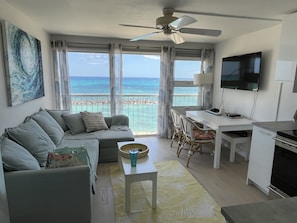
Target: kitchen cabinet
x,y
261,158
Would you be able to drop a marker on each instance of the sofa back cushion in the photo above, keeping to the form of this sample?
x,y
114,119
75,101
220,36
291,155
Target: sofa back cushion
x,y
74,123
49,125
108,121
120,120
16,157
58,116
33,138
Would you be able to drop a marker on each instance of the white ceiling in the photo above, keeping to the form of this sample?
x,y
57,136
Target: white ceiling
x,y
101,17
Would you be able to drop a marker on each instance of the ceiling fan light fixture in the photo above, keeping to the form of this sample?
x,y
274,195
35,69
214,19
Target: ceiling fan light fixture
x,y
177,38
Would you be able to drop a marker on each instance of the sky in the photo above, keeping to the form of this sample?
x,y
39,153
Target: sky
x,y
96,64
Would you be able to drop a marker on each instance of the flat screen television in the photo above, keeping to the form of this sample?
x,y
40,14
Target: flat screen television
x,y
241,72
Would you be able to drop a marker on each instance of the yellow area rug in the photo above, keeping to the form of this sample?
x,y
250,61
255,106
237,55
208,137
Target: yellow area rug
x,y
180,198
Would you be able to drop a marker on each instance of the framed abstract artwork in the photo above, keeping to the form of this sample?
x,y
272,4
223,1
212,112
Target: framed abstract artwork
x,y
23,65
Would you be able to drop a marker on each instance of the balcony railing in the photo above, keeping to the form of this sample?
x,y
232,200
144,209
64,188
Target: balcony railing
x,y
142,110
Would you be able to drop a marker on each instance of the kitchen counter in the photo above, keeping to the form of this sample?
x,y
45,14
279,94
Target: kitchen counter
x,y
278,211
277,126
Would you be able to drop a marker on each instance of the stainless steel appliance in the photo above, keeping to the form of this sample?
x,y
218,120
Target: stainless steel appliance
x,y
284,169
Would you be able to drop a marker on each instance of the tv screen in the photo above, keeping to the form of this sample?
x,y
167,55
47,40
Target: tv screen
x,y
241,72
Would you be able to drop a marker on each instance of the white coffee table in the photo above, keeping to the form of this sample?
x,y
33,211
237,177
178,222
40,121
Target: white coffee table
x,y
144,170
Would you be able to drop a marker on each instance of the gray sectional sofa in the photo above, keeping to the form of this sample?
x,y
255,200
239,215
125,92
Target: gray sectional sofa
x,y
36,193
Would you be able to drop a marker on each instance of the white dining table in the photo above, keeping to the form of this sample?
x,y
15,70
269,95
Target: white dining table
x,y
220,123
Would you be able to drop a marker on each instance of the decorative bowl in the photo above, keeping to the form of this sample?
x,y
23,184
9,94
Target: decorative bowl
x,y
142,149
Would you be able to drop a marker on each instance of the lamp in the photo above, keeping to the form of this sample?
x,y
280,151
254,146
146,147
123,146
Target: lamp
x,y
203,79
285,71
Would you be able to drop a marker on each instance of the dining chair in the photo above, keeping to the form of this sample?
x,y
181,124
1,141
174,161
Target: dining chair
x,y
195,135
177,130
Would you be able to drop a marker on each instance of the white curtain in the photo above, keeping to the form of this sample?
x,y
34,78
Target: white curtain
x,y
207,64
166,92
61,75
116,78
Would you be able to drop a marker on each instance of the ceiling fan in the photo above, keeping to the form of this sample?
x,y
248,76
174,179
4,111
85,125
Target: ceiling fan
x,y
173,26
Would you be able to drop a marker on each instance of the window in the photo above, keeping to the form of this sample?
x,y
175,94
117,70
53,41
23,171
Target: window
x,y
185,93
90,87
89,81
89,73
141,78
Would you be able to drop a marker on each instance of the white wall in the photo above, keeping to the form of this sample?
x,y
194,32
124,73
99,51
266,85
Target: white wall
x,y
240,101
11,116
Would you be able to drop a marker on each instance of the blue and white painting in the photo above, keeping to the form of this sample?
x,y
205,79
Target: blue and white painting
x,y
23,63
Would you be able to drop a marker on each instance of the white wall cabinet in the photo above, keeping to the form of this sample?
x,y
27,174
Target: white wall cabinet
x,y
261,158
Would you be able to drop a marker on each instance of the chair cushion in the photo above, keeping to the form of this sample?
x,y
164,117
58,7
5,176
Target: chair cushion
x,y
94,121
203,135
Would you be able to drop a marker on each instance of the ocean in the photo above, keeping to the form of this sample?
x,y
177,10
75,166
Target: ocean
x,y
139,101
100,85
131,85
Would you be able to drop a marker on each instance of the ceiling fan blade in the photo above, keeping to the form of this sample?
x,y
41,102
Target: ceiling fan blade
x,y
227,16
144,36
182,21
205,32
137,26
177,38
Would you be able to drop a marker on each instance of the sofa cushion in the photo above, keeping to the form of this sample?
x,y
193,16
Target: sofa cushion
x,y
16,157
92,147
33,138
109,138
75,123
57,115
108,121
119,128
119,120
49,125
94,121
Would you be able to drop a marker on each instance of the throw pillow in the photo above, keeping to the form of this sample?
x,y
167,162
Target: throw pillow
x,y
58,116
33,138
94,121
16,157
49,125
75,123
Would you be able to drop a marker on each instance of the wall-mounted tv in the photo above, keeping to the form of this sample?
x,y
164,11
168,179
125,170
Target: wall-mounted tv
x,y
241,72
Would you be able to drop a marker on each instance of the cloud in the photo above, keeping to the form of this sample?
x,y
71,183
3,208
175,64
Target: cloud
x,y
153,57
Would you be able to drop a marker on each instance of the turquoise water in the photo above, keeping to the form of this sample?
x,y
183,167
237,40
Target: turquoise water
x,y
142,110
131,85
